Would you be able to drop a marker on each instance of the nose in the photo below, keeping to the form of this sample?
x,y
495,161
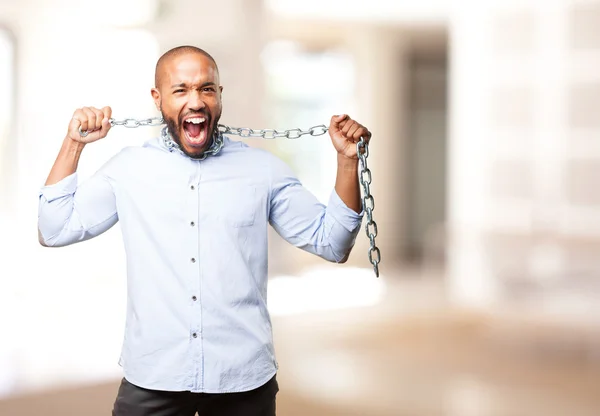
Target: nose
x,y
195,101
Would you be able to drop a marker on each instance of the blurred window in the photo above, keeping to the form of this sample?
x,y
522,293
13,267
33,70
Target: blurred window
x,y
304,89
7,96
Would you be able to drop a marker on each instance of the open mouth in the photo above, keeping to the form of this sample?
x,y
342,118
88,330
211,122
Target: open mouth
x,y
196,130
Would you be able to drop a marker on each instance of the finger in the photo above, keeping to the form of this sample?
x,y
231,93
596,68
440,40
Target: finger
x,y
75,124
81,117
105,127
336,121
99,117
91,118
107,112
361,131
350,124
352,132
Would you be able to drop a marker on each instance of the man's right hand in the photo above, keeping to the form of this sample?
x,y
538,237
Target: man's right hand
x,y
92,120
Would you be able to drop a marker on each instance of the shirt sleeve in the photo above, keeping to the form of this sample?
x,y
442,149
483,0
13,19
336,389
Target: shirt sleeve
x,y
69,213
329,231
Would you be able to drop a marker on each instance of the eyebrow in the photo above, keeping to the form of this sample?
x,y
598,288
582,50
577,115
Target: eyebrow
x,y
183,85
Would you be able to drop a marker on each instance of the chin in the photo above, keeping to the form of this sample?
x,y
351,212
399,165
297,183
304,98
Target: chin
x,y
195,153
195,150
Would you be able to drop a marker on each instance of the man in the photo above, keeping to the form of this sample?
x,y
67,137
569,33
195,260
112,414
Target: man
x,y
194,208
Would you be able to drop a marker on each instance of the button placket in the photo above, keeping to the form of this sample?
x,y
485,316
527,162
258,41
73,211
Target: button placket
x,y
194,294
193,212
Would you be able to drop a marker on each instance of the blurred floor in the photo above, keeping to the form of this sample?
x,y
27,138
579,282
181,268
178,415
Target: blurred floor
x,y
408,355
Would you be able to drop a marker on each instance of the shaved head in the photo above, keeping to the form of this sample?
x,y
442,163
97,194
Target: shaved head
x,y
187,93
176,52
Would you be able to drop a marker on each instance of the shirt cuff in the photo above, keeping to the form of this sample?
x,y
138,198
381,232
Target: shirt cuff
x,y
60,189
345,216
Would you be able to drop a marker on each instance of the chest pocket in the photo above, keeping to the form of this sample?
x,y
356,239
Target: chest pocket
x,y
232,205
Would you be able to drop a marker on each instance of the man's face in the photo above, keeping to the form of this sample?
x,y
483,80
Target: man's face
x,y
189,98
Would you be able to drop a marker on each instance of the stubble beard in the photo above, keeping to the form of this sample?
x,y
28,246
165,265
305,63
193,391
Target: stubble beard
x,y
174,128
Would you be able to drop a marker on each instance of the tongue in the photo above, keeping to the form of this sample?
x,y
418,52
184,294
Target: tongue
x,y
193,129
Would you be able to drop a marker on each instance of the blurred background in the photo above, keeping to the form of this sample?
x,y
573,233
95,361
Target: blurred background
x,y
485,159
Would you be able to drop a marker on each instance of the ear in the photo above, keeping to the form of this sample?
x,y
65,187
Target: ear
x,y
156,97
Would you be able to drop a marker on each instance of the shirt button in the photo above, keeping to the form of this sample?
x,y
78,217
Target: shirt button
x,y
192,223
194,298
192,187
193,260
195,335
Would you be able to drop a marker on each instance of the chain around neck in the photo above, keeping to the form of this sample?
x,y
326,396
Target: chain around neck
x,y
215,147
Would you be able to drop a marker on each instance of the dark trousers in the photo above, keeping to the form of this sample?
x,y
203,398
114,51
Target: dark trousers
x,y
136,401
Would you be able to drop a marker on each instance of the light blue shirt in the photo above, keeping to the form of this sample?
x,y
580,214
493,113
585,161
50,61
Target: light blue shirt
x,y
195,236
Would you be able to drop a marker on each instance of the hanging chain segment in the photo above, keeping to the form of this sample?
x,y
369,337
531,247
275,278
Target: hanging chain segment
x,y
362,150
364,177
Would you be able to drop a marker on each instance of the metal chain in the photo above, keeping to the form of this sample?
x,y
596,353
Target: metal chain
x,y
133,123
362,150
273,134
364,177
130,123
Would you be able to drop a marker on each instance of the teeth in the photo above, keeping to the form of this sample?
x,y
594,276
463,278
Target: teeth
x,y
196,120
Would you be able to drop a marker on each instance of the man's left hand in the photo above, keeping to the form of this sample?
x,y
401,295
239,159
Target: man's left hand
x,y
345,133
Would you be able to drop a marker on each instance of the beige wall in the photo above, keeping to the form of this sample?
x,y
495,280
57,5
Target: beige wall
x,y
521,156
523,214
523,159
380,56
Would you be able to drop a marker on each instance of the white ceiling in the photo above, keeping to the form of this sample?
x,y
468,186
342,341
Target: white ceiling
x,y
399,11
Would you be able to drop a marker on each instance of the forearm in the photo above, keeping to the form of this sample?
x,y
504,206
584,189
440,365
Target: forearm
x,y
69,212
346,184
329,231
66,162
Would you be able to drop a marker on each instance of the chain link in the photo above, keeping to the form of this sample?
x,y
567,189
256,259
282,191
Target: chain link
x,y
362,150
